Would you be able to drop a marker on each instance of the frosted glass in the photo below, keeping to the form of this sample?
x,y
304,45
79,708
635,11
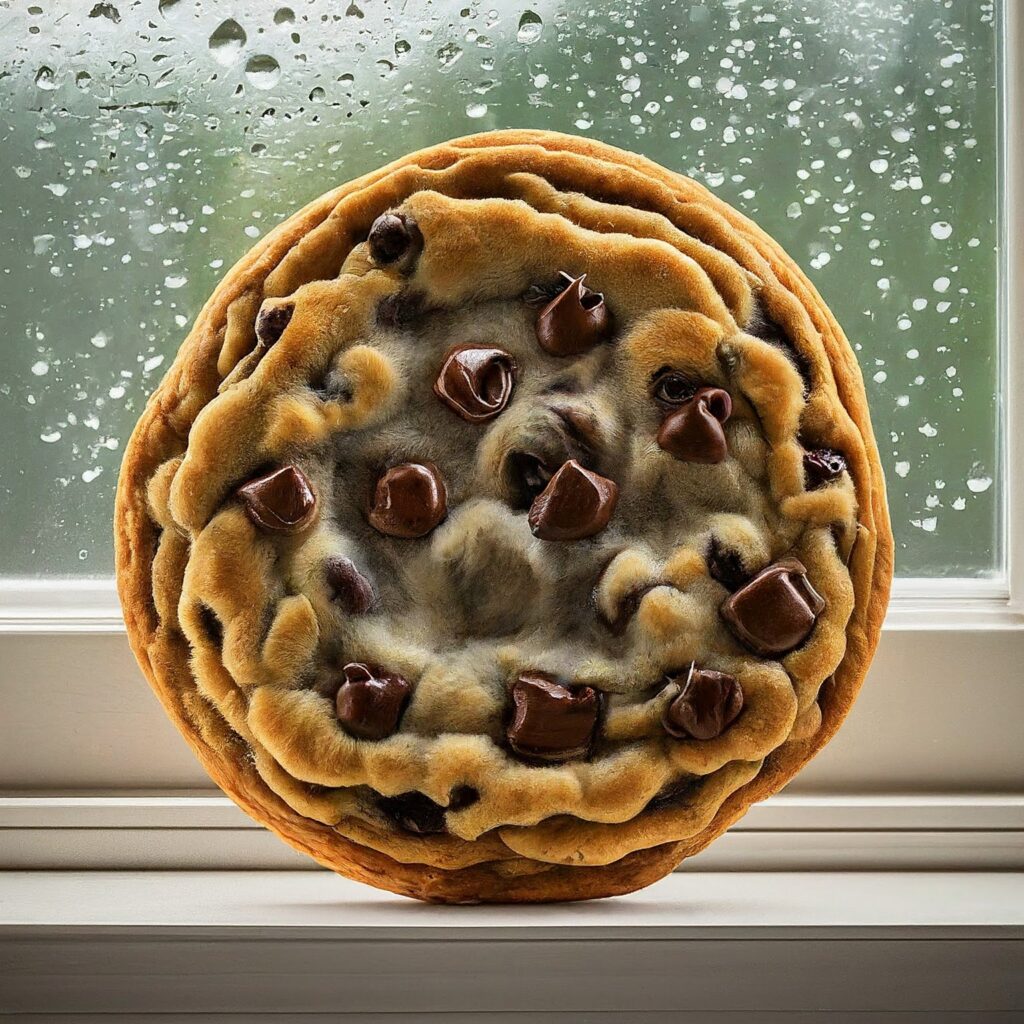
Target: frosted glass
x,y
146,146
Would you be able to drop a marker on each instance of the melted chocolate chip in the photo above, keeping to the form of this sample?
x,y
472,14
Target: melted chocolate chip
x,y
725,566
272,321
476,382
707,705
677,794
575,504
348,586
392,236
281,501
574,321
693,431
551,722
822,466
409,501
415,813
776,610
370,701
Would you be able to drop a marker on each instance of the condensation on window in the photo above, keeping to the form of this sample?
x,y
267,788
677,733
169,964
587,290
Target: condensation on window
x,y
148,144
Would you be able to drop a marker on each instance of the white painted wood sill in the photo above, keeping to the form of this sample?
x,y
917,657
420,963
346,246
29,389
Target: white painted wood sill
x,y
721,947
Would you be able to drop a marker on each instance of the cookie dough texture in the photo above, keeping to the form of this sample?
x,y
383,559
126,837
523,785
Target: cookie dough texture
x,y
314,365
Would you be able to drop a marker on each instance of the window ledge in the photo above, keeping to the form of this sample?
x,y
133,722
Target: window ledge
x,y
294,943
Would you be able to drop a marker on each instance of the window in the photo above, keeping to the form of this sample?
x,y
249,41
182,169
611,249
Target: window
x,y
148,145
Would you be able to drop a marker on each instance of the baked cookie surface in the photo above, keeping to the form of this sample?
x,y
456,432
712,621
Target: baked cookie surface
x,y
509,522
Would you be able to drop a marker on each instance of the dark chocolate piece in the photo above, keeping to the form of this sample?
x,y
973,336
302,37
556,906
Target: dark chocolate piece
x,y
348,586
707,705
417,813
370,701
272,321
676,794
281,501
575,504
476,381
725,566
409,501
776,610
392,236
414,812
574,321
693,431
551,722
822,466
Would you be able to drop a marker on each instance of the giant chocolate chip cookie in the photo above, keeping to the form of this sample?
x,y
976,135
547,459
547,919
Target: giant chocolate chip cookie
x,y
509,522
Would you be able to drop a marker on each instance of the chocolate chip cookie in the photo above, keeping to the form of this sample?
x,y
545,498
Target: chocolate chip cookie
x,y
508,523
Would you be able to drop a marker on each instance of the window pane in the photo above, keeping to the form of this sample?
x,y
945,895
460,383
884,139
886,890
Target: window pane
x,y
149,144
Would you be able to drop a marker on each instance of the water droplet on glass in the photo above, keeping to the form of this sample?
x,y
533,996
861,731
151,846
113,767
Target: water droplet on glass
x,y
262,71
284,16
108,11
448,54
317,95
941,230
45,79
476,109
83,555
979,484
402,46
530,27
227,41
165,7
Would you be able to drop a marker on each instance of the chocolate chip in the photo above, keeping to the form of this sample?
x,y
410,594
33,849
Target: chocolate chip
x,y
348,586
281,501
414,812
725,566
574,321
693,431
392,236
822,466
776,610
370,701
707,705
476,381
551,722
676,794
272,321
409,501
575,504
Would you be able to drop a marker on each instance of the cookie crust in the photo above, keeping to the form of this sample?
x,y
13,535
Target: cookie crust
x,y
557,175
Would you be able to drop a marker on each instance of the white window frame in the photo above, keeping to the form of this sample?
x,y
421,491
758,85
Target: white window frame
x,y
54,620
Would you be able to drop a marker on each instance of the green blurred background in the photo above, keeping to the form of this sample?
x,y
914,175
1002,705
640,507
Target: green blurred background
x,y
147,145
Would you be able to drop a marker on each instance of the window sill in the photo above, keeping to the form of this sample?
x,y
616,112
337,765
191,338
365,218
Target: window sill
x,y
294,943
